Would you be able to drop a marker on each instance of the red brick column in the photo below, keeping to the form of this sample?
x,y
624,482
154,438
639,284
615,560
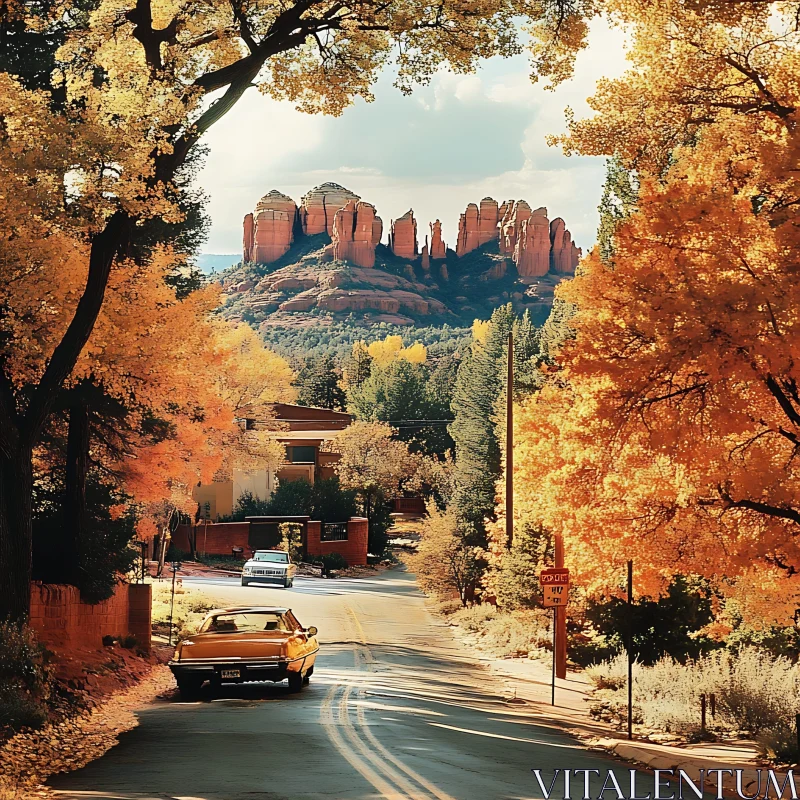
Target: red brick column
x,y
140,611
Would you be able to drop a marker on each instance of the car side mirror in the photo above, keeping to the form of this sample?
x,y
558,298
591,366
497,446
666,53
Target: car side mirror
x,y
312,631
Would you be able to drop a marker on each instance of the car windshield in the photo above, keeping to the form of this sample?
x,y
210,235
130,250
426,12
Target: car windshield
x,y
249,622
275,558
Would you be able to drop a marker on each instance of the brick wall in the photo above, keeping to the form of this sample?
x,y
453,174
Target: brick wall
x,y
354,549
64,622
215,538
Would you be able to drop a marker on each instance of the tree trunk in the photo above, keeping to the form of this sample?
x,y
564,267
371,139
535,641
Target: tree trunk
x,y
16,485
75,495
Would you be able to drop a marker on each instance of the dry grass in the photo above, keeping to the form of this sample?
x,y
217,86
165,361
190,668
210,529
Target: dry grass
x,y
517,634
756,694
190,608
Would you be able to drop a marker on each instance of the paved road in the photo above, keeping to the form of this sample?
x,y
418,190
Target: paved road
x,y
396,709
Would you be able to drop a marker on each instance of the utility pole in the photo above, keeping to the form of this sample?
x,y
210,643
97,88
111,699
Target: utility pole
x,y
630,649
561,619
510,443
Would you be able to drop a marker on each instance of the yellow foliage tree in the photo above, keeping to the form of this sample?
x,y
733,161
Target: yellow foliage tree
x,y
671,431
142,83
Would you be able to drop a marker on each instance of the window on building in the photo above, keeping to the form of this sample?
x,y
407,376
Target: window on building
x,y
302,455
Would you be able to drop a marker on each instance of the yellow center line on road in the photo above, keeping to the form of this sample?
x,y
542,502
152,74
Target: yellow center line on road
x,y
369,661
359,765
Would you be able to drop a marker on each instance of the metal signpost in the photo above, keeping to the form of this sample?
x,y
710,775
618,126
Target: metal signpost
x,y
175,566
555,590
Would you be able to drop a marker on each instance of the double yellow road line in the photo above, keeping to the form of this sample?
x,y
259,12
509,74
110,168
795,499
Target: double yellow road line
x,y
343,718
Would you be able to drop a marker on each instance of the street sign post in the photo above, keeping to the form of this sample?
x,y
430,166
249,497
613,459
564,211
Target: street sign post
x,y
555,586
555,592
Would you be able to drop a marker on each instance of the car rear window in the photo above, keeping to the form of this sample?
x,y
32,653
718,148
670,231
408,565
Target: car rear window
x,y
250,622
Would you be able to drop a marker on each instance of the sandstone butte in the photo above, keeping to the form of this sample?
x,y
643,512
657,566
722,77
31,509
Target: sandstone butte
x,y
535,244
403,238
318,208
269,231
356,233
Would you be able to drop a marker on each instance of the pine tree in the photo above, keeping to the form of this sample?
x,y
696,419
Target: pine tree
x,y
357,366
318,384
479,383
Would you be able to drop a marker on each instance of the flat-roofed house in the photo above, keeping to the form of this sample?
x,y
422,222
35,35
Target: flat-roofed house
x,y
302,431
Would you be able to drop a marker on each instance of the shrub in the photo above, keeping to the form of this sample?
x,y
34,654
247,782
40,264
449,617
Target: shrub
x,y
755,692
129,641
19,710
506,634
291,540
448,607
759,692
189,611
26,678
664,627
332,561
611,674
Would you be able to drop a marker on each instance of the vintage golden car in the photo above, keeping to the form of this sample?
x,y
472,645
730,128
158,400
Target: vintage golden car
x,y
242,644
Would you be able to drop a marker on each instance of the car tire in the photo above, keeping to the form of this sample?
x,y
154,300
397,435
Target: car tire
x,y
245,582
296,681
286,583
291,583
189,688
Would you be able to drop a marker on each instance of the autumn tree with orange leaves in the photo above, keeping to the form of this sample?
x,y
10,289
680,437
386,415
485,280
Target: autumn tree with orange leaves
x,y
138,84
670,432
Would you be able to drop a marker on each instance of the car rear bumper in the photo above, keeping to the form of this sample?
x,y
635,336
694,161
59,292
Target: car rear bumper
x,y
249,669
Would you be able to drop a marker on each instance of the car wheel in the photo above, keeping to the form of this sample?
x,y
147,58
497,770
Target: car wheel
x,y
245,582
295,681
291,583
189,688
286,583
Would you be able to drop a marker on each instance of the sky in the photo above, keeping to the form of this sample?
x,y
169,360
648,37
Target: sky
x,y
462,138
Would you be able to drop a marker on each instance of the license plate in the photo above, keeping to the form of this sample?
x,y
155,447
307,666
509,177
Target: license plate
x,y
231,673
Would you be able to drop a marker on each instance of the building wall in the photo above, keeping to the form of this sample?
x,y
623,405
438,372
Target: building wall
x,y
218,495
259,483
216,538
354,549
63,621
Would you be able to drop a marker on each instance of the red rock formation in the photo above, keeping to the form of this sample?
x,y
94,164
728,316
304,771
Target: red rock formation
x,y
577,252
438,248
564,255
468,225
247,244
532,246
515,214
319,206
477,226
403,241
487,221
426,261
356,233
272,228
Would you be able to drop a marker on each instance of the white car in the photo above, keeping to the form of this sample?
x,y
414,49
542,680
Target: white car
x,y
269,566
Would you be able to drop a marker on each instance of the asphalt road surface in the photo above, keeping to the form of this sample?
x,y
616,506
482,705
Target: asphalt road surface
x,y
396,709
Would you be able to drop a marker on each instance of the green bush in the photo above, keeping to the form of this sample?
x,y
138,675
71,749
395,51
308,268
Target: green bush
x,y
19,711
664,627
26,678
332,561
106,550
